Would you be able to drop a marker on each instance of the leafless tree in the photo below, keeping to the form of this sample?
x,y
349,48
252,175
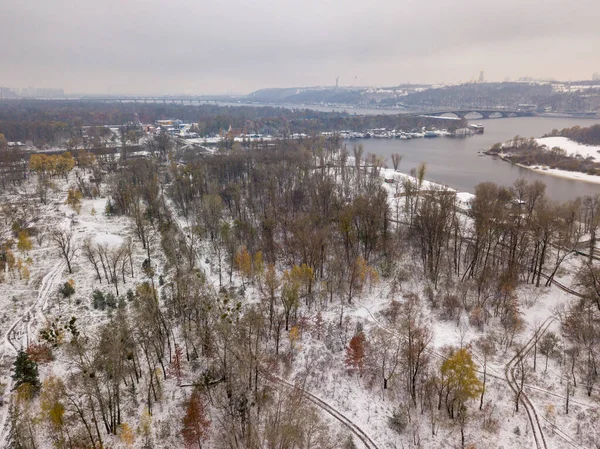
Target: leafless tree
x,y
63,238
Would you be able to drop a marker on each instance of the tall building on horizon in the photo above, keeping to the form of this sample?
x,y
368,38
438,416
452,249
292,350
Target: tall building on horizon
x,y
481,77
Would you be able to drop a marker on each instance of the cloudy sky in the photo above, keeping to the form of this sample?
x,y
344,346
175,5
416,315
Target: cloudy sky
x,y
237,46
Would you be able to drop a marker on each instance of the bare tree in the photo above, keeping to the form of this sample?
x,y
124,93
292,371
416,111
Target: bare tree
x,y
396,159
92,256
67,247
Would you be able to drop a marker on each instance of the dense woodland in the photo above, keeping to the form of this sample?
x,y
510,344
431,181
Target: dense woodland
x,y
295,234
53,123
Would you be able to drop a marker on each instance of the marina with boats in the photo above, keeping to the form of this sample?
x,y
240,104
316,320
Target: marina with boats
x,y
383,133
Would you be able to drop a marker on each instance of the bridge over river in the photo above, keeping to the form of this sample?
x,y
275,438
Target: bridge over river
x,y
484,113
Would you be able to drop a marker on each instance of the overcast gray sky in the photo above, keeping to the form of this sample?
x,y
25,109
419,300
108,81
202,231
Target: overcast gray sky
x,y
237,46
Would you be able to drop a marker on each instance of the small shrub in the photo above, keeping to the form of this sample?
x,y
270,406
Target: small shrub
x,y
398,421
72,327
349,443
67,289
130,295
451,307
429,294
110,209
477,318
111,300
98,300
387,269
147,268
52,334
40,353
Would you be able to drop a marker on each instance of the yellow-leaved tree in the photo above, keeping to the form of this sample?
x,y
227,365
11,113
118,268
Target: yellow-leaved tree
x,y
358,275
24,241
52,408
74,200
145,426
258,266
126,434
64,163
243,262
459,373
294,338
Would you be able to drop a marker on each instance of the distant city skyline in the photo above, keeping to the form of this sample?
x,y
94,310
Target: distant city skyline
x,y
33,91
234,47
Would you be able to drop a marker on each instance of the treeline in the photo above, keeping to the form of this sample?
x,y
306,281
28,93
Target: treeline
x,y
586,136
55,122
506,94
530,153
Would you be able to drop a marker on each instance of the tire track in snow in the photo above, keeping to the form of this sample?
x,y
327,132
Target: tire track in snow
x,y
565,436
509,373
356,430
21,330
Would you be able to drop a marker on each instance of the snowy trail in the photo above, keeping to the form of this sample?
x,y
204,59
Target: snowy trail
x,y
181,225
21,329
360,434
536,427
529,407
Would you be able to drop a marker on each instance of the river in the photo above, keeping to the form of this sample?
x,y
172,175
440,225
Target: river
x,y
455,162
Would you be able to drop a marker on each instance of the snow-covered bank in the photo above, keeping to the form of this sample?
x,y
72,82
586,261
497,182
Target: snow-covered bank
x,y
399,178
571,147
577,176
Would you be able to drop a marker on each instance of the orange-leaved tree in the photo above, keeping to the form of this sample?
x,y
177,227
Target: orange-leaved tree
x,y
195,422
355,353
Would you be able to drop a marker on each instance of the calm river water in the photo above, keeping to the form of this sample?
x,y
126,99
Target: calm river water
x,y
457,164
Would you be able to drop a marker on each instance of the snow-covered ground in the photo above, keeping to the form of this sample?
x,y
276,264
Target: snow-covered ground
x,y
28,304
571,147
564,173
360,399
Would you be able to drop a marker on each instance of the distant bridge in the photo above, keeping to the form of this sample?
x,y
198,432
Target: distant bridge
x,y
149,99
132,99
484,113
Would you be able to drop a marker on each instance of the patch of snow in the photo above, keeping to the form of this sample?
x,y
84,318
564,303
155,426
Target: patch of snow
x,y
570,146
108,240
565,174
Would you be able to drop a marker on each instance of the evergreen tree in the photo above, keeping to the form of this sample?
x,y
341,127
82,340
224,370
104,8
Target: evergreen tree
x,y
26,371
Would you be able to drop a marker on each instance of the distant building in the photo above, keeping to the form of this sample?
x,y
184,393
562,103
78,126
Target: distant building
x,y
35,92
596,76
481,77
527,107
6,92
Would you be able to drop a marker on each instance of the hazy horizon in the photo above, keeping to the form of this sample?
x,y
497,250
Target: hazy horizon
x,y
229,47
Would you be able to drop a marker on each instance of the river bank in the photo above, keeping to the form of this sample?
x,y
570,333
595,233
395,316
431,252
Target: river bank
x,y
554,156
459,164
563,174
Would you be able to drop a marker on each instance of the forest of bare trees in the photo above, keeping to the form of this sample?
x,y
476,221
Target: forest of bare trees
x,y
248,253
